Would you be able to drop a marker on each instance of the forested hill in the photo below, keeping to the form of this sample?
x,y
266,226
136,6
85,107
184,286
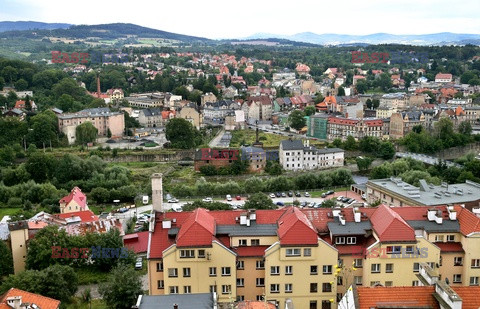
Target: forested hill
x,y
104,31
29,25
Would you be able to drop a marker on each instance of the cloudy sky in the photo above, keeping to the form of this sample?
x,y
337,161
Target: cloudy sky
x,y
235,19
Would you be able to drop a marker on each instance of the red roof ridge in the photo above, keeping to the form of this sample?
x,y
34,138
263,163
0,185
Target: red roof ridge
x,y
32,298
390,226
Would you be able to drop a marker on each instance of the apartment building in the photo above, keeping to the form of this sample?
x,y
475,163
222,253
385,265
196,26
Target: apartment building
x,y
104,120
339,127
294,155
402,123
309,257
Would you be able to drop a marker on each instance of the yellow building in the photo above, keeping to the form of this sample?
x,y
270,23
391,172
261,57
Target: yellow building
x,y
308,257
18,240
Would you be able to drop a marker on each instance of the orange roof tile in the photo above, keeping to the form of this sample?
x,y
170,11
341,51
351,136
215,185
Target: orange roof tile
x,y
27,297
390,226
197,230
294,228
469,296
397,297
469,223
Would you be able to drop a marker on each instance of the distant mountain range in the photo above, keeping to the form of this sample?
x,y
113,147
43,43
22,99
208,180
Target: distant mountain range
x,y
29,25
444,38
103,31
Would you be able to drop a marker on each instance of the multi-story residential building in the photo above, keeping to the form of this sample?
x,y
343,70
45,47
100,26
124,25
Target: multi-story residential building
x,y
384,112
341,128
207,97
217,111
115,94
258,108
192,115
443,78
256,158
402,123
106,122
317,126
150,118
395,192
309,257
396,100
294,155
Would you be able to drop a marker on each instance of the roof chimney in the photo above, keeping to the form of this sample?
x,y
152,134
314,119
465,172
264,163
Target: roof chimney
x,y
157,192
14,301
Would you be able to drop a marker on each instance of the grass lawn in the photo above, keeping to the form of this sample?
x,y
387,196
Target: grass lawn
x,y
8,212
248,136
98,209
96,304
90,276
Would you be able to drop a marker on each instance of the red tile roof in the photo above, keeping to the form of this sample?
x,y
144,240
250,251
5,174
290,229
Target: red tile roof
x,y
197,230
294,228
138,242
36,225
443,76
20,104
27,297
85,216
76,195
469,223
390,226
250,304
251,251
397,297
449,246
469,296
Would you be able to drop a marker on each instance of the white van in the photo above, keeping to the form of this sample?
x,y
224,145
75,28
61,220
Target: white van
x,y
145,199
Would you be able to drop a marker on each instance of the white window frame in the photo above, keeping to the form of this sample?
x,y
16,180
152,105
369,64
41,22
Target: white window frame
x,y
327,269
260,264
340,240
214,273
375,268
473,281
258,283
226,289
475,263
187,272
173,289
458,261
274,288
358,264
226,271
457,278
173,272
288,288
274,270
293,252
187,254
451,238
307,252
187,289
351,240
240,282
288,270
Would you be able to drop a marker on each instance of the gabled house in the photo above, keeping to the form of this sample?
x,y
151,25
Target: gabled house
x,y
74,202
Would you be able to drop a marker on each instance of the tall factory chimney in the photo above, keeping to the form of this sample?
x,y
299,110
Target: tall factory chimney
x,y
98,87
157,192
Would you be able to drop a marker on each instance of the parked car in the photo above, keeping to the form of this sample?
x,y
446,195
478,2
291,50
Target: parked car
x,y
173,200
311,204
307,194
139,263
122,210
280,204
238,197
345,199
329,192
278,194
177,208
229,197
284,194
339,198
303,204
207,200
290,193
297,194
324,194
272,195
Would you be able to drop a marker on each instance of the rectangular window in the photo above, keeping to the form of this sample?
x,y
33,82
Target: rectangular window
x,y
313,304
389,268
438,238
226,271
240,282
339,280
458,261
307,252
351,240
313,288
159,266
260,281
339,240
358,263
201,253
240,297
259,297
186,272
275,288
240,264
187,254
160,284
373,283
394,249
340,262
213,271
172,272
242,242
409,250
288,288
255,242
473,280
187,289
274,270
415,283
213,288
293,252
288,270
457,278
326,287
475,263
375,268
260,264
450,238
358,280
416,267
226,289
388,283
327,269
313,269
174,290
